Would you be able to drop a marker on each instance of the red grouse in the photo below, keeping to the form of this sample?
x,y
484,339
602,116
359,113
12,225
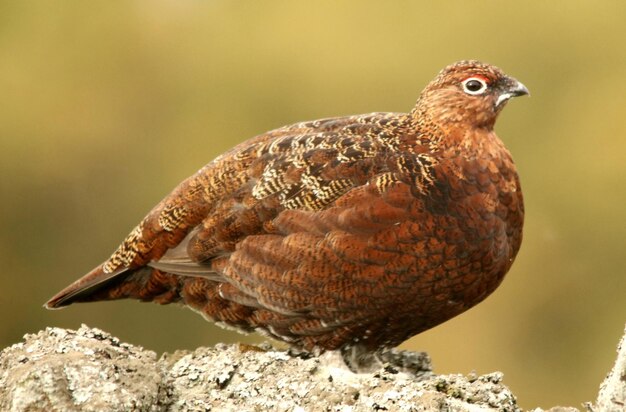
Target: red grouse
x,y
351,233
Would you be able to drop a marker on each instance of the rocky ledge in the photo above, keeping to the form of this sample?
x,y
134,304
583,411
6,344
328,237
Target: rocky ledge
x,y
90,370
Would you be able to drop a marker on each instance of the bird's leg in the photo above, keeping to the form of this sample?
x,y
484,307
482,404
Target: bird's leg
x,y
360,360
300,353
415,363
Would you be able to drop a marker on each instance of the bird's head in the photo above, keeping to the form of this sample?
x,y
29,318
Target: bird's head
x,y
468,92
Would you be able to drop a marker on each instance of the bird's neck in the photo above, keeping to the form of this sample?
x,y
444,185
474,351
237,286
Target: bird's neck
x,y
447,111
442,135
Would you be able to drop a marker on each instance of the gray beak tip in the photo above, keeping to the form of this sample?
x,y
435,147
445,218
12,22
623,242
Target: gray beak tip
x,y
511,88
520,90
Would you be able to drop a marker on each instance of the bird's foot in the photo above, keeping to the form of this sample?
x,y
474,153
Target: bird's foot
x,y
392,360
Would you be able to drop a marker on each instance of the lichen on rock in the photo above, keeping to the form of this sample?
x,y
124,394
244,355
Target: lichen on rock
x,y
87,370
90,370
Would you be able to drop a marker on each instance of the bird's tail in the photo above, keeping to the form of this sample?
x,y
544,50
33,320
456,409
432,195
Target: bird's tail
x,y
144,283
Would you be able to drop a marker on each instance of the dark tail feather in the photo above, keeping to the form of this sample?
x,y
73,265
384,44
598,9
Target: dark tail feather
x,y
84,288
143,283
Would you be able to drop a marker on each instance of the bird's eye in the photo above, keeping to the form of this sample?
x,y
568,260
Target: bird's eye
x,y
474,86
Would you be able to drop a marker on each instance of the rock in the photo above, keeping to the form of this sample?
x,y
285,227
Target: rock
x,y
612,396
90,370
87,370
226,378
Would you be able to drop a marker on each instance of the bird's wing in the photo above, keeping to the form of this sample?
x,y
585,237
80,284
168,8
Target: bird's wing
x,y
296,246
323,276
338,256
231,190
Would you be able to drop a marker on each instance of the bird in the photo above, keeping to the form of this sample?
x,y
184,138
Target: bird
x,y
347,234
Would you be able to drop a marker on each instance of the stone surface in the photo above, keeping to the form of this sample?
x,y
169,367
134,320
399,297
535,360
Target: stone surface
x,y
89,370
612,396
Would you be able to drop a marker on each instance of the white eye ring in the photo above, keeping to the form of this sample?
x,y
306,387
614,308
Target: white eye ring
x,y
474,86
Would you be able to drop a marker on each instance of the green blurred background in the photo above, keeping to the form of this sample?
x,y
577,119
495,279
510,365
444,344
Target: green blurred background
x,y
106,106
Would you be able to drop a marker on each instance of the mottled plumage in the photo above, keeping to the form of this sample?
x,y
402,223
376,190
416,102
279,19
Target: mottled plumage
x,y
352,232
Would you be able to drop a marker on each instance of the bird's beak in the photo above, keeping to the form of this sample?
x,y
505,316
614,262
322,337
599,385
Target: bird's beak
x,y
510,87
